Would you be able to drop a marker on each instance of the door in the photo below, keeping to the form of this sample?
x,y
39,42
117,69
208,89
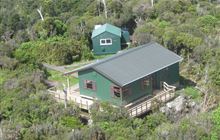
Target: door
x,y
154,81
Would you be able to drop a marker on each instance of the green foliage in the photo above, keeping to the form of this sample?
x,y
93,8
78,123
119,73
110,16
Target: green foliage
x,y
108,113
180,41
214,70
154,120
117,125
207,23
36,113
49,27
190,28
58,77
7,62
56,50
4,75
207,20
216,118
216,122
70,122
199,125
193,93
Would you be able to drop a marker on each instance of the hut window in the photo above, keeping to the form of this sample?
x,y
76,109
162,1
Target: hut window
x,y
145,83
116,91
102,41
89,84
107,41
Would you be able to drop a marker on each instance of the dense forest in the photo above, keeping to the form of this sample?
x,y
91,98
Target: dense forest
x,y
58,32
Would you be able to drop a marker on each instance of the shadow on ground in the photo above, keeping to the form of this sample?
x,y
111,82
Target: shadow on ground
x,y
184,82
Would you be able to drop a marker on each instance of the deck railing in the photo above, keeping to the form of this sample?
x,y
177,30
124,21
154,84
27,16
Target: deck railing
x,y
83,103
165,95
134,109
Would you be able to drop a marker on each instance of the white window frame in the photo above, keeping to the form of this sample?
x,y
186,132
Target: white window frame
x,y
106,41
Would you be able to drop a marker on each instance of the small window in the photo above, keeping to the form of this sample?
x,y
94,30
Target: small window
x,y
107,41
89,84
102,41
116,91
145,83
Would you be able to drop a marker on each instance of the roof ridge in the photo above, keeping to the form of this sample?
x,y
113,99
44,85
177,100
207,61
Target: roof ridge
x,y
123,53
104,28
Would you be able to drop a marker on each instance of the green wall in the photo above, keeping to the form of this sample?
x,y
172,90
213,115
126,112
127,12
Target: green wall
x,y
106,49
170,75
125,37
103,85
136,91
103,91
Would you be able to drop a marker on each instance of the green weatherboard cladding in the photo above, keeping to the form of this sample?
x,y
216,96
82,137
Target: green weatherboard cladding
x,y
136,91
106,49
125,37
108,31
170,75
129,70
103,85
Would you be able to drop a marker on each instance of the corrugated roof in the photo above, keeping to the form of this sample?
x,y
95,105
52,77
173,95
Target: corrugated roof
x,y
133,64
107,28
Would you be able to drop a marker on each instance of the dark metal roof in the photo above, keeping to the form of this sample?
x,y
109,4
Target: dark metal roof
x,y
133,64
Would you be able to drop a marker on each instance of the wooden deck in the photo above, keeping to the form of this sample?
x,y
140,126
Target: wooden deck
x,y
136,108
73,95
146,104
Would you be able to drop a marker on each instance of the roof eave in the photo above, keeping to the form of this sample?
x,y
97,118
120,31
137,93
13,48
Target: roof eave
x,y
88,66
108,77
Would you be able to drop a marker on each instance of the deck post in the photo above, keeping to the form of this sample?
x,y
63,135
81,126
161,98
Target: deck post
x,y
87,105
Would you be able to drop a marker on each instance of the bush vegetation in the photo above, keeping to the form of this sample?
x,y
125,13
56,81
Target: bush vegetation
x,y
188,27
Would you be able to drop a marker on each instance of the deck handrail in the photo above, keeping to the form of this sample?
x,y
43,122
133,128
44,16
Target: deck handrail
x,y
167,94
78,100
167,86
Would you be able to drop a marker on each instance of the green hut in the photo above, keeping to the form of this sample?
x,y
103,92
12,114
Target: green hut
x,y
130,75
107,39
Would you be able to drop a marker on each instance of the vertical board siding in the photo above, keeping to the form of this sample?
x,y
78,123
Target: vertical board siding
x,y
137,91
104,91
170,75
103,87
106,49
125,37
